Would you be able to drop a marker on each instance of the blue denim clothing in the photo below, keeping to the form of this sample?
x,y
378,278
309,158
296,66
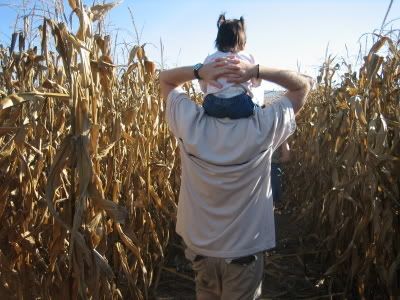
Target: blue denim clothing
x,y
276,183
240,106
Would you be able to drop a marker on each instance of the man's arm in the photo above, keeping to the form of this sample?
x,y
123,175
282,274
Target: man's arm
x,y
298,85
170,79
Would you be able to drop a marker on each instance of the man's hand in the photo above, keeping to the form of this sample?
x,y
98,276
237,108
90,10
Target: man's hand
x,y
221,67
297,85
244,71
170,79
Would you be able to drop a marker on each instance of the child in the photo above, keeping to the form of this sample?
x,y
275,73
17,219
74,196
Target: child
x,y
232,100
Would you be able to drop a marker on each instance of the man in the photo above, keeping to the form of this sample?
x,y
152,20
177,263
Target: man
x,y
225,210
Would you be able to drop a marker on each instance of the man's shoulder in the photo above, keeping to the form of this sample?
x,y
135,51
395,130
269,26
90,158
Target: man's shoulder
x,y
276,99
178,96
179,101
181,111
175,93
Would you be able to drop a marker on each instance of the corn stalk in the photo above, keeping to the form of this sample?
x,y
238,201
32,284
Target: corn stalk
x,y
348,142
87,167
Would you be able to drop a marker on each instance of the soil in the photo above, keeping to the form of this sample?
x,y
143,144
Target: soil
x,y
291,270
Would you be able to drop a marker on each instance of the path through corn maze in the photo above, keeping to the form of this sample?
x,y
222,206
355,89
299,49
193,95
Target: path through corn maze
x,y
291,269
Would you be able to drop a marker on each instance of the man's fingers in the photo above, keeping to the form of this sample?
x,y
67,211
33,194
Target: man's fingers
x,y
235,61
234,78
215,84
226,70
219,61
227,65
232,62
231,67
228,58
222,61
233,58
219,64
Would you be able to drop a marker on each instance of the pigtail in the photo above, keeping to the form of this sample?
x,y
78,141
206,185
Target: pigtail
x,y
241,20
221,20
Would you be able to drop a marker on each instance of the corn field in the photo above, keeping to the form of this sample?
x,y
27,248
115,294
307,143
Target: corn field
x,y
87,167
89,171
347,154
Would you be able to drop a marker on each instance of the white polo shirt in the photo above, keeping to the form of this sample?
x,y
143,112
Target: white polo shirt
x,y
225,203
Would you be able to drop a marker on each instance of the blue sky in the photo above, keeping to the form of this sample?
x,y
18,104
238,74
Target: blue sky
x,y
284,33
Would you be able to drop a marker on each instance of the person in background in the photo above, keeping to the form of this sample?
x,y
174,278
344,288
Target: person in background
x,y
281,155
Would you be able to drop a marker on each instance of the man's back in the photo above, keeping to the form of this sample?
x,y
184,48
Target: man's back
x,y
225,203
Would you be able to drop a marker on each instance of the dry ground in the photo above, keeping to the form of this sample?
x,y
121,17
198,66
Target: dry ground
x,y
291,270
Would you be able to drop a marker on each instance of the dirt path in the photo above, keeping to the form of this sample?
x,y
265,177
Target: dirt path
x,y
290,269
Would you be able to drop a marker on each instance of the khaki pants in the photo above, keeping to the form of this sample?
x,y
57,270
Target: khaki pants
x,y
217,279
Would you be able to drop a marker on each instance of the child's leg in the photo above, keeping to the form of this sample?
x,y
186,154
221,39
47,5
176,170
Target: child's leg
x,y
215,107
241,106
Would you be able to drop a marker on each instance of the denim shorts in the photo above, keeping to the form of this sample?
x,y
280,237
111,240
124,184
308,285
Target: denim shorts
x,y
240,106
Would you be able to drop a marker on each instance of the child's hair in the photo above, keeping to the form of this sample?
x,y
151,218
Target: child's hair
x,y
231,35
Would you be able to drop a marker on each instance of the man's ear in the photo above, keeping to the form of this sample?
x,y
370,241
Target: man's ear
x,y
221,20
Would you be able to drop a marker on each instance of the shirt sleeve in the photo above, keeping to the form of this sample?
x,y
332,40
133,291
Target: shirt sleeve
x,y
284,122
181,111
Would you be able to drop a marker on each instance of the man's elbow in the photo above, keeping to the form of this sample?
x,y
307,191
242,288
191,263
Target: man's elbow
x,y
310,82
307,86
163,78
299,97
165,87
303,96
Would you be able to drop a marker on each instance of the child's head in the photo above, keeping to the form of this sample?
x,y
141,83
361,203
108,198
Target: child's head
x,y
231,35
